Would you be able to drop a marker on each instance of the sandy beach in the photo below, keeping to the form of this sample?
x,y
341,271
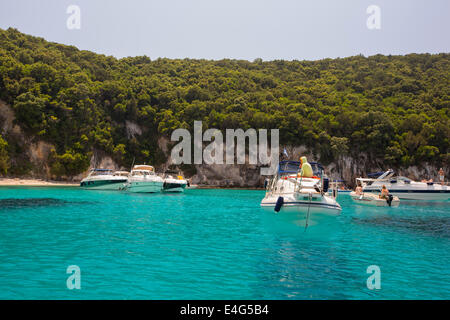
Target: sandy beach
x,y
33,182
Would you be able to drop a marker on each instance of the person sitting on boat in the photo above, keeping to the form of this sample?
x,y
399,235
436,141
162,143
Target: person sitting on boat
x,y
306,169
358,190
384,193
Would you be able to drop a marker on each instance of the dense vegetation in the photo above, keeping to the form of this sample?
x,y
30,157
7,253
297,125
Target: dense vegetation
x,y
391,108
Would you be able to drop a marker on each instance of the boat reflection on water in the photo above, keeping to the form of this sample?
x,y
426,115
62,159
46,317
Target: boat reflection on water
x,y
293,225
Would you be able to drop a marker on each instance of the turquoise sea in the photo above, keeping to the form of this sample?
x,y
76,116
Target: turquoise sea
x,y
215,244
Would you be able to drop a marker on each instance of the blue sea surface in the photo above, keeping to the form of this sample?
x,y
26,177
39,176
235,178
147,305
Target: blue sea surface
x,y
215,244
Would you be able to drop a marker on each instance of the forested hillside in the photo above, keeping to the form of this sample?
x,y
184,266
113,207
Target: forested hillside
x,y
392,108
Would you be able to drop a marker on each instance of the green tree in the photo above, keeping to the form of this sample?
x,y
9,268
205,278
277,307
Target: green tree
x,y
4,158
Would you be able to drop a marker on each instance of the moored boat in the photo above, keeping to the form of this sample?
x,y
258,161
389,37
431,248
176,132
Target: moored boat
x,y
374,200
143,179
405,188
287,191
103,179
174,182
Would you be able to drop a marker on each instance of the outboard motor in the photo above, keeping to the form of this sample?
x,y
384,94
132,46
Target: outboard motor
x,y
326,184
279,204
389,199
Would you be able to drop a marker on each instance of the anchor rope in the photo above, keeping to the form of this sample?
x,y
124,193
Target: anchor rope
x,y
307,214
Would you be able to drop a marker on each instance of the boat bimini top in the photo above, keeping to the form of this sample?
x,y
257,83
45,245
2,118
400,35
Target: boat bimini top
x,y
142,170
143,167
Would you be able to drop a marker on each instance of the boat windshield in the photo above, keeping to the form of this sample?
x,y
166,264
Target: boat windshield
x,y
100,172
121,173
290,167
142,173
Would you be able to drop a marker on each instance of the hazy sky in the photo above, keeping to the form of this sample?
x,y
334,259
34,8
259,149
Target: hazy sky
x,y
240,29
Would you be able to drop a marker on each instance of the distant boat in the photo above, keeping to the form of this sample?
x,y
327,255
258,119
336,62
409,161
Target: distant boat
x,y
404,188
143,179
174,182
104,179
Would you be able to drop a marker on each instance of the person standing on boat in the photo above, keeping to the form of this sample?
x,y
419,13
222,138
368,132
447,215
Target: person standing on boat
x,y
306,169
384,193
441,176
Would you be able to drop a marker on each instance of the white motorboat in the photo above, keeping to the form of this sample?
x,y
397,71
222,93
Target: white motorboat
x,y
404,188
174,182
104,179
287,191
374,200
143,179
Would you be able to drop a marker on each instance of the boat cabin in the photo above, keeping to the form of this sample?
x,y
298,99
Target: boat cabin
x,y
142,170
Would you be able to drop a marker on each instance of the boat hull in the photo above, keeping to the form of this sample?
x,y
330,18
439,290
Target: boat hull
x,y
174,186
103,184
373,200
426,195
325,206
144,186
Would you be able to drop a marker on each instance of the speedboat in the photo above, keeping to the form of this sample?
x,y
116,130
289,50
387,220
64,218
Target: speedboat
x,y
404,188
375,200
143,179
287,191
174,182
103,179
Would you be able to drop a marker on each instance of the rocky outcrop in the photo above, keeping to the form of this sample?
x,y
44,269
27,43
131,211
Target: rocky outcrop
x,y
38,154
227,175
133,129
345,168
249,176
6,118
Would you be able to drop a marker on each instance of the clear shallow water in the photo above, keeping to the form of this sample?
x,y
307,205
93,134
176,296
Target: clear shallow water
x,y
215,244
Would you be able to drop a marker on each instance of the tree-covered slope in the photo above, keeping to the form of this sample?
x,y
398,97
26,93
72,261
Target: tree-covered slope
x,y
391,108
